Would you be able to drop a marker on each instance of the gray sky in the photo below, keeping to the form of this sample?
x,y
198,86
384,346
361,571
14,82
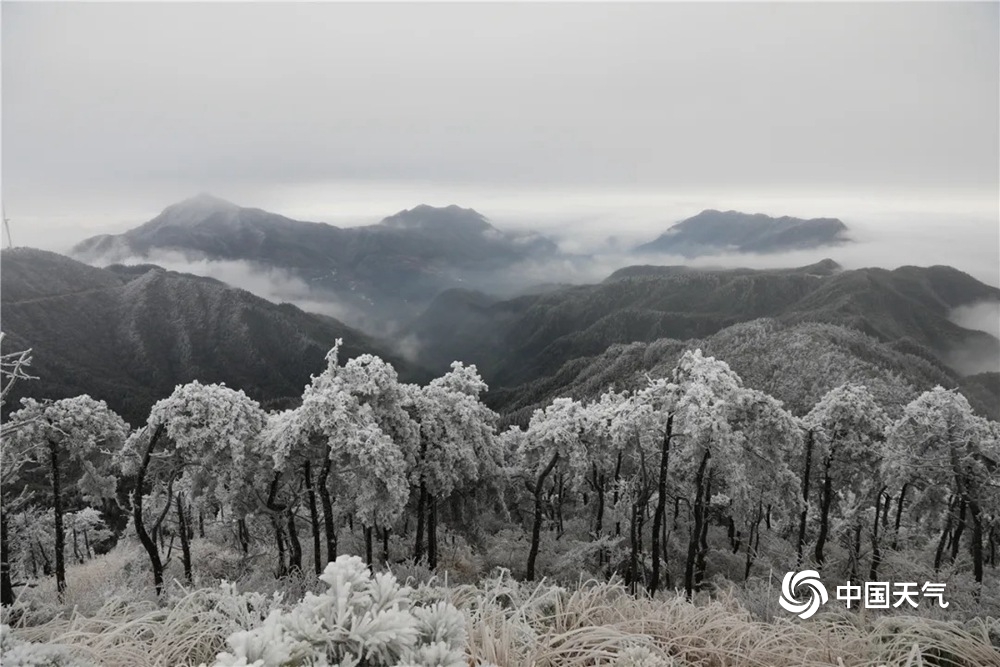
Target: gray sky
x,y
350,112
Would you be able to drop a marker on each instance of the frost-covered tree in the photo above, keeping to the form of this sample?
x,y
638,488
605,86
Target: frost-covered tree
x,y
456,449
357,415
705,411
75,440
13,368
198,443
847,428
763,485
555,436
651,412
87,528
950,459
284,441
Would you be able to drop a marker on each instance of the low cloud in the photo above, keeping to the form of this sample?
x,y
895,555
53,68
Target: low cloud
x,y
273,284
982,354
980,316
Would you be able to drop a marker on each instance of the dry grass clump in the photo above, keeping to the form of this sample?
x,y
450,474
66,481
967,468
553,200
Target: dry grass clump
x,y
517,624
596,623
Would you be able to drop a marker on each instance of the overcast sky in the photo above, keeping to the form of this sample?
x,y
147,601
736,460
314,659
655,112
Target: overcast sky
x,y
344,111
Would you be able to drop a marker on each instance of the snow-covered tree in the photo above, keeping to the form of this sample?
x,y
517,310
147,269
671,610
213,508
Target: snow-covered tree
x,y
75,440
88,528
705,412
763,484
651,412
13,368
950,459
555,436
208,435
456,449
357,415
848,428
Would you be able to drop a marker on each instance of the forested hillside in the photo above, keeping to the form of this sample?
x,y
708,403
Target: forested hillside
x,y
530,337
690,480
128,335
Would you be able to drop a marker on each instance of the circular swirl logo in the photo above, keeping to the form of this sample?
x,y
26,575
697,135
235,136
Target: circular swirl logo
x,y
808,579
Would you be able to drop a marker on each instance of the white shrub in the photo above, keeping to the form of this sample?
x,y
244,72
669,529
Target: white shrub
x,y
17,653
359,620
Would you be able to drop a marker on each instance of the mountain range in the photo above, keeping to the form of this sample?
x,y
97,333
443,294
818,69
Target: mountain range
x,y
712,232
385,273
129,335
520,340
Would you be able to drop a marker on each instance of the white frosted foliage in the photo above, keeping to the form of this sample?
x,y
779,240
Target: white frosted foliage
x,y
360,619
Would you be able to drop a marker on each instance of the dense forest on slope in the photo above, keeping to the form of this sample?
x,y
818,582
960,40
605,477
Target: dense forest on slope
x,y
795,363
128,335
524,339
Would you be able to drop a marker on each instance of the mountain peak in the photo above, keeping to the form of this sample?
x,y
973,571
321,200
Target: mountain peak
x,y
713,231
451,217
195,210
204,201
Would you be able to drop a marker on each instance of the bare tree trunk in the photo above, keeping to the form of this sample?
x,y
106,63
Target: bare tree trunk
x,y
182,528
313,517
598,481
699,569
945,534
661,505
76,547
977,543
279,538
418,544
329,529
368,547
536,527
294,546
956,537
824,512
614,500
432,541
6,585
148,543
800,544
855,556
57,509
899,517
876,551
243,533
696,530
751,549
46,563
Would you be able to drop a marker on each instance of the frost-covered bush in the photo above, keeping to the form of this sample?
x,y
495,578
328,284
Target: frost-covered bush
x,y
17,653
642,656
359,620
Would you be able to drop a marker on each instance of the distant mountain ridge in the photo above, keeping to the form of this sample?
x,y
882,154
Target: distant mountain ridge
x,y
387,269
711,232
795,363
128,335
514,341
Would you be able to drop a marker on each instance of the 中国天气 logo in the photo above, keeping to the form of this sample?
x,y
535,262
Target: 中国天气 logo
x,y
809,580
